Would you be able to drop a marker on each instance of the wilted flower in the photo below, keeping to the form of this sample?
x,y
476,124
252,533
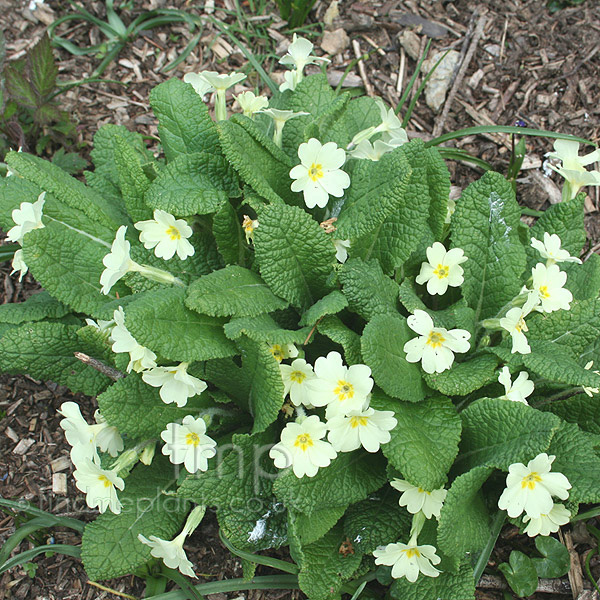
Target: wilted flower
x,y
280,117
249,225
117,262
518,390
282,351
18,264
341,250
590,391
27,218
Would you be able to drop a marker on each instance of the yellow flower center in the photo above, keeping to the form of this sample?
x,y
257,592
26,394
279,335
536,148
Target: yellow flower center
x,y
315,172
441,271
344,390
435,339
173,233
297,376
422,491
521,326
358,422
277,352
530,481
544,291
410,552
105,480
303,441
192,439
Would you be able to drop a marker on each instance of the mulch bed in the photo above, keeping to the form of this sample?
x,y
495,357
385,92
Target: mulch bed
x,y
526,65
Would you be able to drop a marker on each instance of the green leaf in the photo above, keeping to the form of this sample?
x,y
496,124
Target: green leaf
x,y
333,328
311,528
485,225
583,280
46,351
361,113
438,181
369,292
42,68
556,561
137,411
18,87
549,360
464,520
424,444
376,521
294,254
382,346
160,321
184,124
577,460
133,182
190,184
68,264
331,304
351,477
324,568
258,161
70,162
580,409
378,191
264,329
520,574
110,546
228,377
37,307
498,433
262,380
447,585
466,377
232,292
227,229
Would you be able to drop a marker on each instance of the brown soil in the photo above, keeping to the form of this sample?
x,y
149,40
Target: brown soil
x,y
528,65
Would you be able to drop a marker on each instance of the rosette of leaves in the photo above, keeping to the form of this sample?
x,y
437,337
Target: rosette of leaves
x,y
286,287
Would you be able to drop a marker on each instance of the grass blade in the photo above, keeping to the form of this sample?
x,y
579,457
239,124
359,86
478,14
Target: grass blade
x,y
26,556
28,508
463,155
413,78
8,251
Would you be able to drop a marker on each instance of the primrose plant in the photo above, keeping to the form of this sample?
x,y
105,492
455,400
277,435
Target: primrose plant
x,y
286,320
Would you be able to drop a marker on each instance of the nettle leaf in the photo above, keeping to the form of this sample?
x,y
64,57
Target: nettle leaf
x,y
376,521
37,307
350,478
160,321
191,184
239,486
447,585
333,328
258,161
311,528
575,328
227,229
580,409
583,280
262,380
464,520
294,254
550,361
331,304
360,113
137,411
564,219
264,329
184,124
424,444
556,561
324,567
232,292
369,292
466,377
497,433
46,351
382,344
42,68
66,189
18,87
485,225
578,461
110,546
520,574
378,190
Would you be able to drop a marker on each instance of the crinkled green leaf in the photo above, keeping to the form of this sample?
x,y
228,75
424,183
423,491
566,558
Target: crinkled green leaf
x,y
331,304
351,477
424,444
333,328
110,546
498,433
369,292
378,189
227,229
184,124
580,409
42,68
311,528
18,87
464,520
466,377
556,561
232,292
264,328
37,307
382,344
226,375
258,161
446,586
520,574
160,321
361,113
485,225
294,254
46,351
583,280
